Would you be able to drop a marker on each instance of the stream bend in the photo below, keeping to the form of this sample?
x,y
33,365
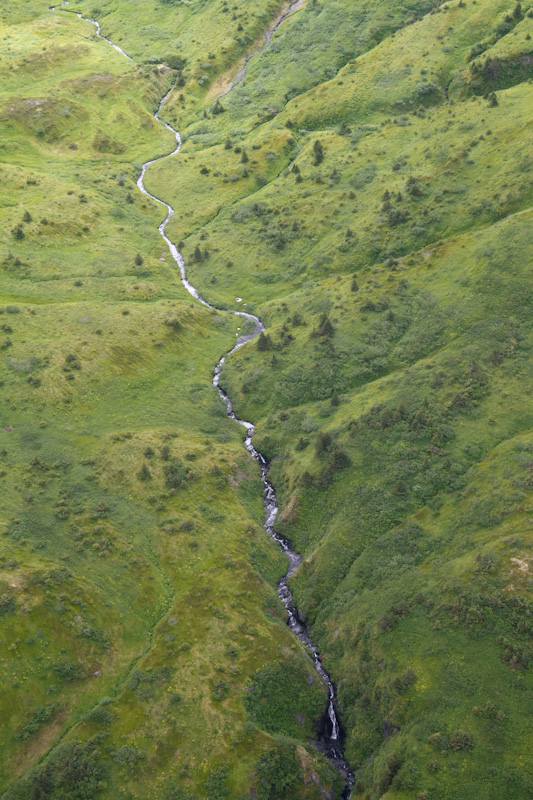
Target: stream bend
x,y
330,738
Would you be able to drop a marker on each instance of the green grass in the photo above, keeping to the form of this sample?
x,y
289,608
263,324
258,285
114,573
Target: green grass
x,y
408,485
142,643
134,607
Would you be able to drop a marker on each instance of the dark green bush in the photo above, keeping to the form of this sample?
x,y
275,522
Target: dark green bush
x,y
278,773
318,153
175,473
461,740
144,473
279,695
216,784
36,721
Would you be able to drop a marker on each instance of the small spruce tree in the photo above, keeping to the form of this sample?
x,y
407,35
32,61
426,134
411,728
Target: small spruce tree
x,y
144,473
264,342
318,152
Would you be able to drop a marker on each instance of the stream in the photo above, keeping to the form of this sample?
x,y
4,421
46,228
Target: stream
x,y
330,737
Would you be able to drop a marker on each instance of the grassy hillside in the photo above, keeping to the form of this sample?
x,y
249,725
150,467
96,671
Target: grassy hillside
x,y
366,189
391,264
137,601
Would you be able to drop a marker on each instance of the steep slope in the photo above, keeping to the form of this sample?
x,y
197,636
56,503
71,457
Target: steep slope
x,y
138,607
391,264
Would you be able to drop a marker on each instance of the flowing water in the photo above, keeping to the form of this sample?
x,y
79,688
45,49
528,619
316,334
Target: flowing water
x,y
330,738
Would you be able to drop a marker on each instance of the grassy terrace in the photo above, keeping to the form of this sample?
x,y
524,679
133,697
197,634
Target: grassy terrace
x,y
143,650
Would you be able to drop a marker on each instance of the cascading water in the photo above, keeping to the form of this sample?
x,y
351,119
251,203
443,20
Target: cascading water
x,y
330,742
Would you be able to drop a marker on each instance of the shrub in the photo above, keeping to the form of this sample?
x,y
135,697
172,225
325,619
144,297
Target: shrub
x,y
278,773
38,718
175,473
363,176
127,755
74,770
405,681
100,715
392,766
323,442
7,604
68,671
387,622
409,677
174,323
306,480
413,187
396,217
461,740
325,327
340,460
264,342
279,694
324,478
216,784
144,473
318,153
220,689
